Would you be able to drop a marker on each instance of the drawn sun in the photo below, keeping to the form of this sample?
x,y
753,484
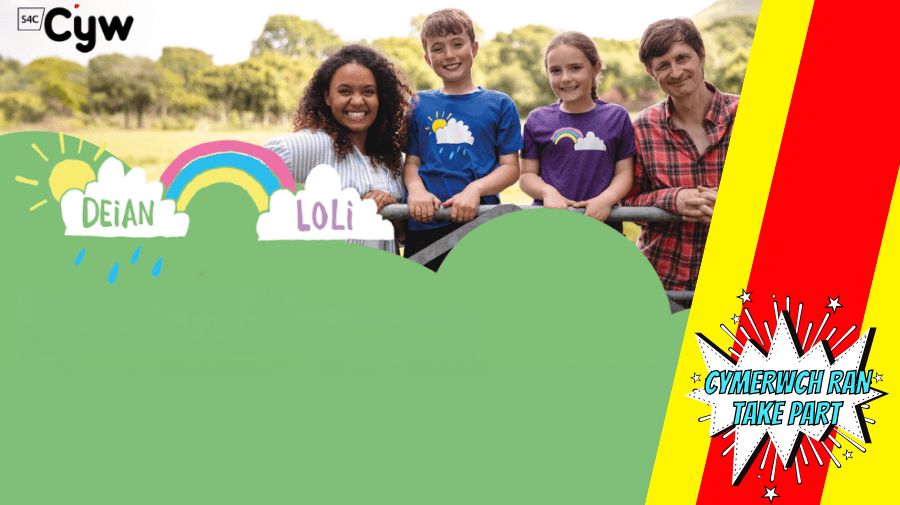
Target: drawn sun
x,y
439,122
67,174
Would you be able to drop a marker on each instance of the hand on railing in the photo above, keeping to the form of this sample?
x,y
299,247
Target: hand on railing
x,y
617,214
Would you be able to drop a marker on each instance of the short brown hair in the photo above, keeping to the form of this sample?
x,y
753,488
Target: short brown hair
x,y
583,43
447,22
659,37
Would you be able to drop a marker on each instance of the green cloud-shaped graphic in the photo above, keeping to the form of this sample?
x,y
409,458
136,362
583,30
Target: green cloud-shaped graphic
x,y
535,367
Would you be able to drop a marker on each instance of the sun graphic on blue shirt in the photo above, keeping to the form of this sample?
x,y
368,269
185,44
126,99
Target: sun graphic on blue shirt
x,y
70,173
439,122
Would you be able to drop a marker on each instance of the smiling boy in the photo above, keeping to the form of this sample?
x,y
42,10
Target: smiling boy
x,y
681,146
463,139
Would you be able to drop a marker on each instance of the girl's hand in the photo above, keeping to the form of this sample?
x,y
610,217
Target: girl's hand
x,y
422,205
381,198
465,205
595,208
554,200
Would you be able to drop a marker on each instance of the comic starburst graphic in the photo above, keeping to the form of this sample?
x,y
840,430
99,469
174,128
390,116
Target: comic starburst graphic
x,y
790,392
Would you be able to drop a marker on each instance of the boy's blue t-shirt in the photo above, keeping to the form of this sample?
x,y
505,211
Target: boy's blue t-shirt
x,y
460,139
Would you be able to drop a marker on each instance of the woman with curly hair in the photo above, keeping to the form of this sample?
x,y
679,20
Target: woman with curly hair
x,y
353,117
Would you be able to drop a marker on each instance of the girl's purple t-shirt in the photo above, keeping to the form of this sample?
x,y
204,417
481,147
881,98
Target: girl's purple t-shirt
x,y
578,152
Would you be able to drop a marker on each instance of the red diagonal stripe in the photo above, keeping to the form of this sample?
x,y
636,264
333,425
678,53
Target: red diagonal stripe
x,y
826,210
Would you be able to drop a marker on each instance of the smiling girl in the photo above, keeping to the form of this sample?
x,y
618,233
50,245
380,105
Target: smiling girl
x,y
353,117
579,151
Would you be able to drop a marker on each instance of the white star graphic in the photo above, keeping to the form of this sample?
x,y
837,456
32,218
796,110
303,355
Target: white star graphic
x,y
833,304
770,494
878,378
744,296
736,318
785,355
696,377
847,454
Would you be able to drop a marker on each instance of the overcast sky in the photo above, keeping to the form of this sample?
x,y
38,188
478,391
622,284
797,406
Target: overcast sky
x,y
227,32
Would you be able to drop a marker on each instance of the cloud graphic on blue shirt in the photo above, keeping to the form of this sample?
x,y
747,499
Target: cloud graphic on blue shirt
x,y
455,132
590,142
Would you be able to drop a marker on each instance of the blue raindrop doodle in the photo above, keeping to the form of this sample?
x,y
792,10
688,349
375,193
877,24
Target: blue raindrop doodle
x,y
114,273
440,150
156,268
451,156
136,255
79,257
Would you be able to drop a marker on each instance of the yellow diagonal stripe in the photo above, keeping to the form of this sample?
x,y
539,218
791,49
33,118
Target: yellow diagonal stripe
x,y
752,155
864,476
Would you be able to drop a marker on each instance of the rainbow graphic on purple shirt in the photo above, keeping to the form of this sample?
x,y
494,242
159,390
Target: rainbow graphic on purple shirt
x,y
572,133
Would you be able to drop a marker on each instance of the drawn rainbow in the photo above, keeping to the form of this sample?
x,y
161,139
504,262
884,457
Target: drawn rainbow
x,y
256,169
571,133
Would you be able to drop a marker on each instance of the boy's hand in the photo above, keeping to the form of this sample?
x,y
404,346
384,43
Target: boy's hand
x,y
554,200
422,205
381,198
596,208
465,205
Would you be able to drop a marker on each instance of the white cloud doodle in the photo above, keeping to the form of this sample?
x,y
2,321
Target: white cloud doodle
x,y
590,142
455,132
121,205
323,211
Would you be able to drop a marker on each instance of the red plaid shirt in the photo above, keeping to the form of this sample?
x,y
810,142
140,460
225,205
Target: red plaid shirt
x,y
667,161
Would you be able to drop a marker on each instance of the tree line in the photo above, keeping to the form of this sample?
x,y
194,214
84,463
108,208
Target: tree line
x,y
184,84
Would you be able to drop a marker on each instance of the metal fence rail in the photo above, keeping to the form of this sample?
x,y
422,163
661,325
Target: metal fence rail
x,y
488,212
617,214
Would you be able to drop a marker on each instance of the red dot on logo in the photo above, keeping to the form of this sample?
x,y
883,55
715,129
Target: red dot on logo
x,y
76,6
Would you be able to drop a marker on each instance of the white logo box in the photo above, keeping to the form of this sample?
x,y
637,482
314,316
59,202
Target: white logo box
x,y
31,19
